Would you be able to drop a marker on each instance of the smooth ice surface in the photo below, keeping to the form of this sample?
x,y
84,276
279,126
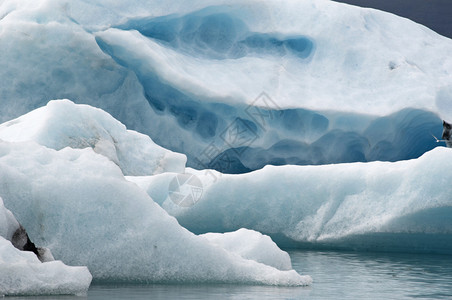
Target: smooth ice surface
x,y
63,124
191,75
21,272
402,206
78,203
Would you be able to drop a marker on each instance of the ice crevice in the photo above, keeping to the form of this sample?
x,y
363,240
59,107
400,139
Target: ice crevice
x,y
268,135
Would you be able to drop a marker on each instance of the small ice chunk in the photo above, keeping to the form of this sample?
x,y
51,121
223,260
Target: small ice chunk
x,y
21,273
253,245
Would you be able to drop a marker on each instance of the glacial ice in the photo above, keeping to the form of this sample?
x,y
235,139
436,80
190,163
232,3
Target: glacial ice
x,y
21,273
62,124
253,245
403,206
233,86
190,75
8,223
77,203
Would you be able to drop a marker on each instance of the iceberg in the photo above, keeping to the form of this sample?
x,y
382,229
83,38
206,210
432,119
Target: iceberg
x,y
141,188
377,206
62,124
387,206
295,78
22,273
77,202
252,245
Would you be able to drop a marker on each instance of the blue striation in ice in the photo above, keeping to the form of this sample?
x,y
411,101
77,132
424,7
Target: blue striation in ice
x,y
339,82
232,86
390,206
217,33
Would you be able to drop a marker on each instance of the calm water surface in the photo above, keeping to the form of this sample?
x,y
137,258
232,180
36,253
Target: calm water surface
x,y
336,275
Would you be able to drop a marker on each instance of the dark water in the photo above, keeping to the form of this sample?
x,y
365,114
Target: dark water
x,y
376,276
336,275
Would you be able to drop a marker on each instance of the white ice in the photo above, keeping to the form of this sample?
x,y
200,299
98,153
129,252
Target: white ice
x,y
22,273
8,223
253,245
63,124
78,203
402,206
184,86
345,84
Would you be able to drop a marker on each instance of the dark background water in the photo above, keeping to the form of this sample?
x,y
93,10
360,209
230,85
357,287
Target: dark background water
x,y
435,14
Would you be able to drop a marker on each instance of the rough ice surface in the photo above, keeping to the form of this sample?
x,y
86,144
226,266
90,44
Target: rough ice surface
x,y
11,230
380,206
8,223
191,76
62,124
21,272
234,86
78,203
253,245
